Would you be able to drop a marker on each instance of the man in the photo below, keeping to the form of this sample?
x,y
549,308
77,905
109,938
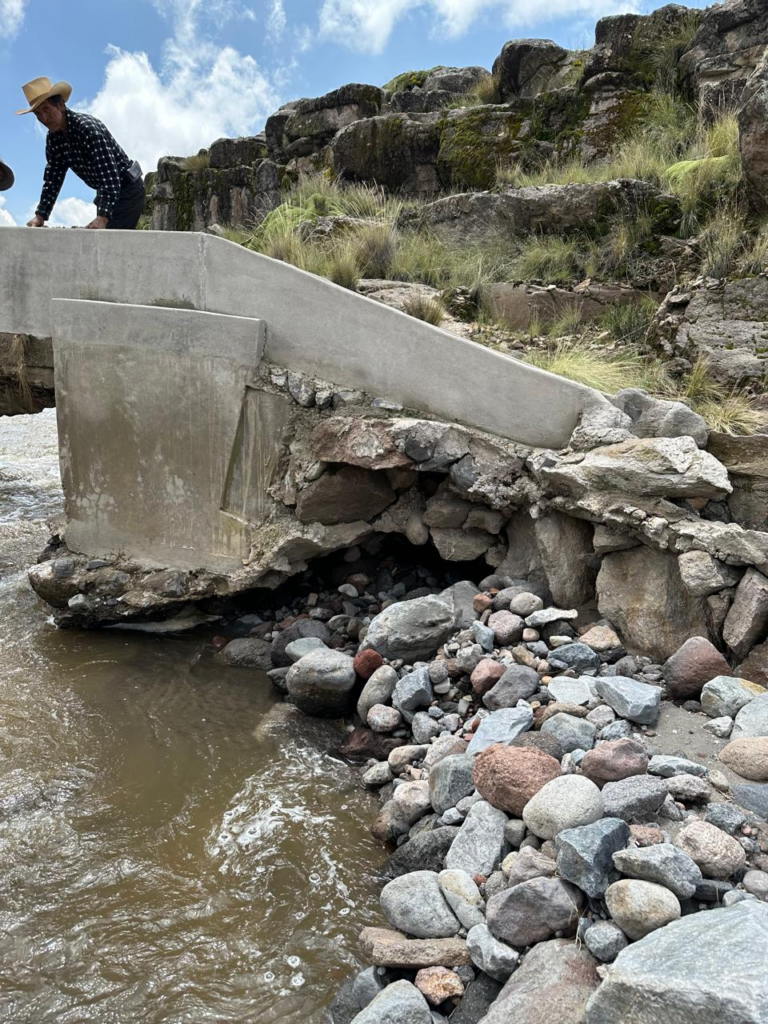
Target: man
x,y
6,177
83,143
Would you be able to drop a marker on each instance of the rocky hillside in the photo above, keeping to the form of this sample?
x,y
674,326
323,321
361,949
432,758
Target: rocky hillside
x,y
597,212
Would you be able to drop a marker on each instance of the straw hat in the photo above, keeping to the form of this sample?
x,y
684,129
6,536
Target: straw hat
x,y
6,177
40,89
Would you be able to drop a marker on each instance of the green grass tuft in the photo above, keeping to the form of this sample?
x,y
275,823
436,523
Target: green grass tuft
x,y
431,311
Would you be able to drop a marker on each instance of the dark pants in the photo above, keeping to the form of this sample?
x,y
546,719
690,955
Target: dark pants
x,y
129,207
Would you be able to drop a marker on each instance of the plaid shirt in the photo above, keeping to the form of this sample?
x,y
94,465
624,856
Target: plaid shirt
x,y
88,148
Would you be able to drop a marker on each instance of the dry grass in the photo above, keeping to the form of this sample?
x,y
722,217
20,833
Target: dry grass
x,y
584,362
198,162
629,323
431,311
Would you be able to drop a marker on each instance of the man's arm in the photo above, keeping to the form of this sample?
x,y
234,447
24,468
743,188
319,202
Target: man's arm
x,y
55,173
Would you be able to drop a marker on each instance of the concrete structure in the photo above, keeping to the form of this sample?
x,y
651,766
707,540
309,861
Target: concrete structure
x,y
313,327
149,403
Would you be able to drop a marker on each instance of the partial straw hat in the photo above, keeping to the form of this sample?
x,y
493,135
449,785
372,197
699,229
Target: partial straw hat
x,y
41,89
6,177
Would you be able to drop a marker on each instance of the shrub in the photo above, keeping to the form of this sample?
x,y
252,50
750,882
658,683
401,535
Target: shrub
x,y
629,323
375,248
431,311
579,361
551,258
566,322
754,258
721,242
343,269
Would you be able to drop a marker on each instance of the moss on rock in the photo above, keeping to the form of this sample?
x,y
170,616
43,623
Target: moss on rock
x,y
474,142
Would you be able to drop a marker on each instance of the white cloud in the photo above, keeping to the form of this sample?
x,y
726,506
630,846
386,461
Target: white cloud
x,y
11,17
276,20
200,93
72,212
366,25
6,220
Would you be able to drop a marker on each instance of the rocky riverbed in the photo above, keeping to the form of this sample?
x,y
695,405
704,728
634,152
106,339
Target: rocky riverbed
x,y
574,833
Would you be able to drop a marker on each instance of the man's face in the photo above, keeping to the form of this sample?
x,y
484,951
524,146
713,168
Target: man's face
x,y
51,116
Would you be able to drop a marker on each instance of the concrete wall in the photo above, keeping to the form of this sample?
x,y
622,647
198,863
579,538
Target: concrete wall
x,y
313,326
150,404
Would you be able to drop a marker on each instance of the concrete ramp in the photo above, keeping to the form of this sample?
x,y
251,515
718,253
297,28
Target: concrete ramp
x,y
150,404
314,326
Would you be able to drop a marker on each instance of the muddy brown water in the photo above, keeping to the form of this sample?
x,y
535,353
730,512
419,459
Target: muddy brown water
x,y
165,857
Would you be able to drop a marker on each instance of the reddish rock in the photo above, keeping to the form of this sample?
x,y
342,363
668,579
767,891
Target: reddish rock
x,y
366,663
693,665
362,744
618,759
486,674
481,603
646,835
437,984
507,777
218,643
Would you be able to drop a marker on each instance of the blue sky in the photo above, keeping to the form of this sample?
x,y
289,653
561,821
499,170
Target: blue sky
x,y
170,76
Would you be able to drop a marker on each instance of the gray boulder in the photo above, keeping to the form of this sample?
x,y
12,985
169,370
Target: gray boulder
x,y
377,690
399,1003
415,904
247,652
450,780
497,959
656,417
578,657
605,940
502,726
638,702
686,972
480,844
585,855
551,987
752,720
662,863
725,696
463,897
571,733
563,803
412,691
423,852
534,911
638,798
321,683
411,630
517,683
666,766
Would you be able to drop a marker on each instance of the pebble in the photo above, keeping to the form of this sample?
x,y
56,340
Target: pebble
x,y
563,803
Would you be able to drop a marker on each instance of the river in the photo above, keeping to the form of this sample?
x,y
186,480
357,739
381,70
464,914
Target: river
x,y
164,859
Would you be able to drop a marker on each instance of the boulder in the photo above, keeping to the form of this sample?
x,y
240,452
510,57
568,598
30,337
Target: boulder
x,y
747,619
321,683
411,630
247,652
577,657
694,664
565,547
635,799
752,720
746,459
507,628
526,67
614,760
425,851
477,1000
753,136
296,631
517,683
641,907
656,417
533,911
717,854
497,959
412,691
479,846
386,948
664,467
398,151
641,593
526,864
630,699
687,968
585,854
566,802
399,1003
502,726
450,780
507,777
415,904
662,863
551,987
704,575
748,757
463,897
572,691
344,495
472,216
437,984
755,666
485,675
726,695
571,733
605,940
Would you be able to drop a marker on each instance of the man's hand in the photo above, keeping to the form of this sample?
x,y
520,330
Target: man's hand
x,y
36,222
98,222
